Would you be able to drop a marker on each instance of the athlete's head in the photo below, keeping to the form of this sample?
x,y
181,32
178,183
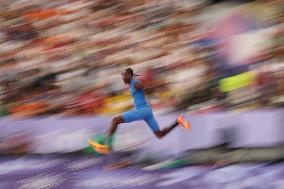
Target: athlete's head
x,y
127,75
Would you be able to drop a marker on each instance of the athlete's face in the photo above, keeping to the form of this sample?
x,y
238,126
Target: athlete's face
x,y
126,77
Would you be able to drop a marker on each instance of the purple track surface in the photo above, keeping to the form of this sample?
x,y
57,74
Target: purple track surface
x,y
61,172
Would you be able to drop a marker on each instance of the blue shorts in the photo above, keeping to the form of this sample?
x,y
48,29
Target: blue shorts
x,y
145,114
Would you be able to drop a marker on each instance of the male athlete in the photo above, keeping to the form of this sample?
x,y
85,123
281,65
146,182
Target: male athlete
x,y
142,110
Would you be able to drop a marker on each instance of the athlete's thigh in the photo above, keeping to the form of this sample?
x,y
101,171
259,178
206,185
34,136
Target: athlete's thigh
x,y
152,123
134,115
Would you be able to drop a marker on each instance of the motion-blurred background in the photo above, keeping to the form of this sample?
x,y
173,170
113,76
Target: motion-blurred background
x,y
65,57
220,62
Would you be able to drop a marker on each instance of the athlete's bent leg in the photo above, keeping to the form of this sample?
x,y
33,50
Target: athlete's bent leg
x,y
161,133
151,121
180,121
126,117
114,123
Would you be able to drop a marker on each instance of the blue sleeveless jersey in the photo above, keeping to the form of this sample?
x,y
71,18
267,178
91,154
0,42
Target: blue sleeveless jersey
x,y
139,97
142,109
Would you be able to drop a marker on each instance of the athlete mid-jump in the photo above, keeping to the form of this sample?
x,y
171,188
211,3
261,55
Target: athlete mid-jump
x,y
142,110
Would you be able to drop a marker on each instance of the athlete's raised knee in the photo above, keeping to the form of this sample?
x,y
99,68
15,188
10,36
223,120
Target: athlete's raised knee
x,y
117,120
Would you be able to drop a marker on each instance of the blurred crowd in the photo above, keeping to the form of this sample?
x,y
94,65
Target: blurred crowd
x,y
64,57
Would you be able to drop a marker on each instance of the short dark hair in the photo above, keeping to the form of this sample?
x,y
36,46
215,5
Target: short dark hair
x,y
130,71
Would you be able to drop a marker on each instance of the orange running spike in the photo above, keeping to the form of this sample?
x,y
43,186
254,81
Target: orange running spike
x,y
183,122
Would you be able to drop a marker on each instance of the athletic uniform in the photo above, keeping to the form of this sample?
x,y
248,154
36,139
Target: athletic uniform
x,y
142,111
